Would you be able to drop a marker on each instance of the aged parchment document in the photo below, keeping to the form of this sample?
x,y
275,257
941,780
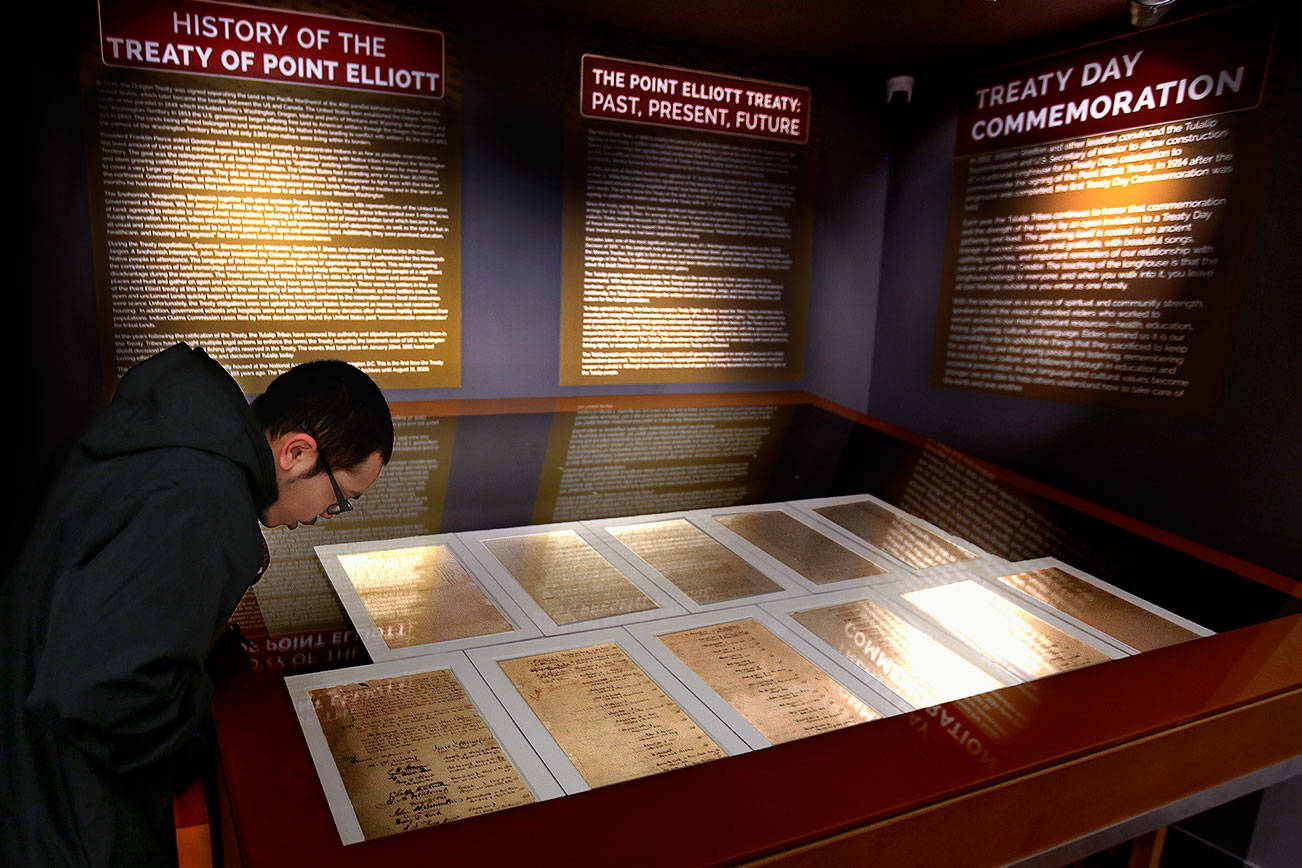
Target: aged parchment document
x,y
700,567
412,751
899,538
567,578
420,595
611,720
1119,618
777,690
811,554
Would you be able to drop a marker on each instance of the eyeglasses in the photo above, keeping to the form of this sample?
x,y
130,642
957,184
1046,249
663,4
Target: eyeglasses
x,y
342,504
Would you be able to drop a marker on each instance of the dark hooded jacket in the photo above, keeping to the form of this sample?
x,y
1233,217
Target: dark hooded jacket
x,y
146,542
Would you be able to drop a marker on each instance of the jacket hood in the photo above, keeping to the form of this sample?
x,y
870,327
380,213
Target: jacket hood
x,y
182,398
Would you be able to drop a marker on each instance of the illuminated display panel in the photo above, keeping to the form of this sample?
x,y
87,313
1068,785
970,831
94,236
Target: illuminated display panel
x,y
686,223
272,203
1096,243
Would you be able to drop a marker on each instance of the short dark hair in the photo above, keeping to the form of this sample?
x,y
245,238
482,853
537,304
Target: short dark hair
x,y
340,405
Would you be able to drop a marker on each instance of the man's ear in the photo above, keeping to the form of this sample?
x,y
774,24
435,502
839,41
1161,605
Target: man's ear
x,y
295,452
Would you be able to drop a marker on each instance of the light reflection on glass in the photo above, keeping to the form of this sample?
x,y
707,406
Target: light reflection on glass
x,y
640,460
906,659
1003,631
701,568
295,595
567,578
420,595
818,558
768,682
1136,626
898,537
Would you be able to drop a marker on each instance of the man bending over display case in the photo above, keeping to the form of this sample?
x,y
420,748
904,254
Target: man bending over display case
x,y
146,542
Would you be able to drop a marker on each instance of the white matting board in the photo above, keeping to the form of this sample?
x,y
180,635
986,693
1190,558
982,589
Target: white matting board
x,y
648,635
522,756
808,509
474,541
382,646
786,586
707,520
486,660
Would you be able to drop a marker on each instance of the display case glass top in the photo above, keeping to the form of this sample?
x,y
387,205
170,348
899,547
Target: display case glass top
x,y
463,467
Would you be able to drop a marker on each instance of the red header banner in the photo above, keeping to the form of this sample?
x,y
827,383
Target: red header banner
x,y
1201,67
239,41
645,93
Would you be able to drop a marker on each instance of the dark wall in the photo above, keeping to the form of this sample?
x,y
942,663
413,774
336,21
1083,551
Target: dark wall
x,y
849,220
55,365
1230,481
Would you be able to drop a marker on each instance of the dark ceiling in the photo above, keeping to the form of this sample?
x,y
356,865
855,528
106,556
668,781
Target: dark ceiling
x,y
881,33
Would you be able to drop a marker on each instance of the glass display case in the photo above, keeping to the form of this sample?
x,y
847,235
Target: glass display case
x,y
1098,677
